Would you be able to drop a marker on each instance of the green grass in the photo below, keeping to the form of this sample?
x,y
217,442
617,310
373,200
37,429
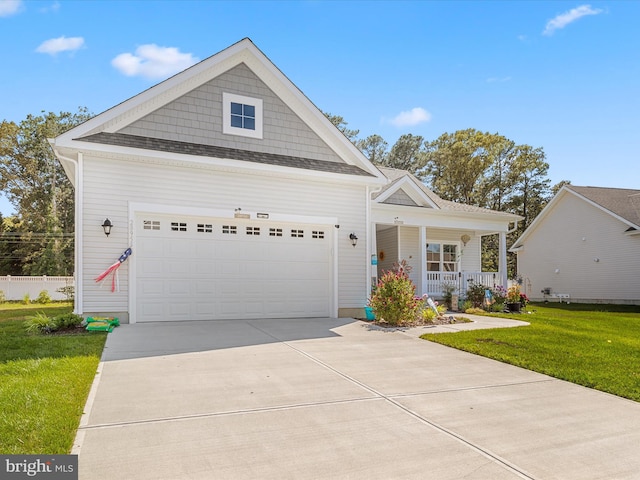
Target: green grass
x,y
44,382
592,345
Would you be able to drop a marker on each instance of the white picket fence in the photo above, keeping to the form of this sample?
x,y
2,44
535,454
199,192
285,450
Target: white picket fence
x,y
15,288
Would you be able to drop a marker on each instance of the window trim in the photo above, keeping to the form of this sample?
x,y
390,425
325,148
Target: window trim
x,y
227,100
442,261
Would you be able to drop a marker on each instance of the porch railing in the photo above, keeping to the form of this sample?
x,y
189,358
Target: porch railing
x,y
460,280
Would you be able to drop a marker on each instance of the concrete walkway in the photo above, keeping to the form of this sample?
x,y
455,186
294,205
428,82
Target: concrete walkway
x,y
336,398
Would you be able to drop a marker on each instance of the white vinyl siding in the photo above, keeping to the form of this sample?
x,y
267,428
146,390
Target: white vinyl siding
x,y
560,253
410,251
387,244
110,184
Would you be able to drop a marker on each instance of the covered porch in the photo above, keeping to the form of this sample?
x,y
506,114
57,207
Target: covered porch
x,y
438,257
441,240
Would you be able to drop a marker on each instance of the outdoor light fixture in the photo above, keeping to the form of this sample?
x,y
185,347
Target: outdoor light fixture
x,y
106,226
353,238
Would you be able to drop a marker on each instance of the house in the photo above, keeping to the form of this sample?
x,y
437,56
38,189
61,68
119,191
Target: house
x,y
583,247
238,199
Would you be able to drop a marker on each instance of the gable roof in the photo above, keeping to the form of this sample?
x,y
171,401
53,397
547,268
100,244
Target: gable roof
x,y
403,179
243,52
621,203
186,148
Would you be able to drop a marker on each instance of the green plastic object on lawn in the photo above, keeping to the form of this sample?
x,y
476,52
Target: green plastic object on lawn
x,y
102,324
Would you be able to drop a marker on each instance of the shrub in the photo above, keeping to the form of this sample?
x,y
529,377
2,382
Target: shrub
x,y
68,291
43,297
26,300
474,311
475,293
67,320
466,305
39,323
448,289
3,298
497,307
428,315
394,301
499,293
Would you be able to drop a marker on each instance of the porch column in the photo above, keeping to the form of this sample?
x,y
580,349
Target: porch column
x,y
502,259
373,269
422,258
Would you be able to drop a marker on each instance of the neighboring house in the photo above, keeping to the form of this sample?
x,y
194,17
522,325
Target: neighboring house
x,y
584,247
239,199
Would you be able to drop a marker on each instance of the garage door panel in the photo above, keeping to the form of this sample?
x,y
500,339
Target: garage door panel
x,y
182,275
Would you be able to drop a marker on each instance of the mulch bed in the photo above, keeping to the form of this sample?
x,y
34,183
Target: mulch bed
x,y
441,320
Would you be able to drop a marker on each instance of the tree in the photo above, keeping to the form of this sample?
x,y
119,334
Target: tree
x,y
341,124
528,177
9,240
35,183
374,148
407,154
456,163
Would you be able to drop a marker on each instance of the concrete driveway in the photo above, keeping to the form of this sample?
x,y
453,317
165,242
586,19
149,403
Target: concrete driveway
x,y
336,398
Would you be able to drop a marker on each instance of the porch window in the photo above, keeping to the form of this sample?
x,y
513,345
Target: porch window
x,y
433,257
442,257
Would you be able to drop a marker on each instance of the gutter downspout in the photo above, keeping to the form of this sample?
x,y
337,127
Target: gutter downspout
x,y
78,212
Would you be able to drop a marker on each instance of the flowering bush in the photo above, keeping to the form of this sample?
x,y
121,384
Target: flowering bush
x,y
394,300
475,293
513,294
499,293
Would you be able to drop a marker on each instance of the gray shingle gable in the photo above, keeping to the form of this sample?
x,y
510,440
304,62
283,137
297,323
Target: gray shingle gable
x,y
622,202
185,148
395,175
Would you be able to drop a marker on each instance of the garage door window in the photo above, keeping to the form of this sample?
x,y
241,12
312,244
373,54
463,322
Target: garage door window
x,y
297,233
230,229
253,230
317,234
151,225
205,228
275,232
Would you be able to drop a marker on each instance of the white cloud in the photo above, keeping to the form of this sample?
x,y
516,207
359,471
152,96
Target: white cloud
x,y
152,61
571,16
10,7
412,117
54,46
54,7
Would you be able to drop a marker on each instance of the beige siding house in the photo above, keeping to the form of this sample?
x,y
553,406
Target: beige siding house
x,y
239,199
584,247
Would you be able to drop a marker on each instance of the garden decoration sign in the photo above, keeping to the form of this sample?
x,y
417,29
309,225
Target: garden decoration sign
x,y
113,270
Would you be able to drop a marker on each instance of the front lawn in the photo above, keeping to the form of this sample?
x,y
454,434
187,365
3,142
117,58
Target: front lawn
x,y
44,382
597,346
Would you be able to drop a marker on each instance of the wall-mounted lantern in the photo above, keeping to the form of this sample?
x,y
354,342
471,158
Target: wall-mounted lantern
x,y
353,238
106,226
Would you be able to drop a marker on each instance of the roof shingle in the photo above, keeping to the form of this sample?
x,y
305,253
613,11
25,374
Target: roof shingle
x,y
185,148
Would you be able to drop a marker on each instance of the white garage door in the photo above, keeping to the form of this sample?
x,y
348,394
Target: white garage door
x,y
196,268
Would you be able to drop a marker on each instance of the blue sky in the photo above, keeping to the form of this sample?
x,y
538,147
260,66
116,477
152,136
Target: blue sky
x,y
564,76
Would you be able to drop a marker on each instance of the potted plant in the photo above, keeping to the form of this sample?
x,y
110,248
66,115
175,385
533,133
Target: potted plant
x,y
513,300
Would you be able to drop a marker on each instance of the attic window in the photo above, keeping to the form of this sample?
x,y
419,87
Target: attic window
x,y
241,115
